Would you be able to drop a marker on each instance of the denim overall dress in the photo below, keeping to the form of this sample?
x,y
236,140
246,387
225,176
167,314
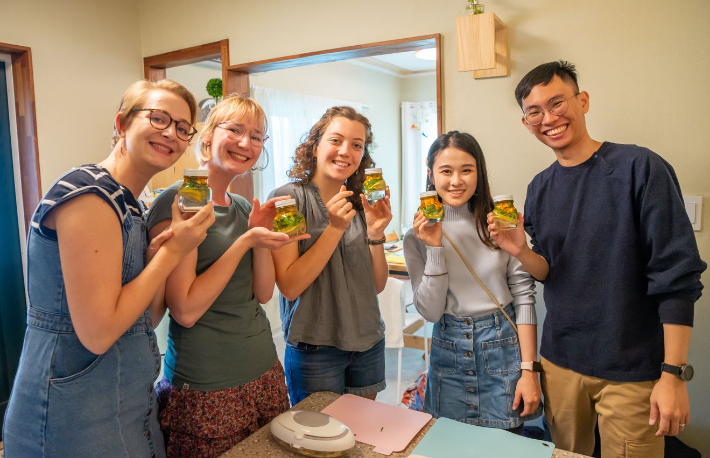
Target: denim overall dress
x,y
67,401
474,368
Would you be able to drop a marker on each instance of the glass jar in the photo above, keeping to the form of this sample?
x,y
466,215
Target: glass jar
x,y
194,192
505,214
374,187
431,207
288,219
473,7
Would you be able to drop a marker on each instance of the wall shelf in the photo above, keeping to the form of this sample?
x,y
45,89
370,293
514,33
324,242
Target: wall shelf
x,y
482,45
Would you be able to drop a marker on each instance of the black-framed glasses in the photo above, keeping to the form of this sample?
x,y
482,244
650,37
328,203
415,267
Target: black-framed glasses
x,y
161,120
237,132
557,107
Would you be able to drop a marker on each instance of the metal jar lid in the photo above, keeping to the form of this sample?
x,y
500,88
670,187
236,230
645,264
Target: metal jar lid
x,y
195,173
285,203
503,197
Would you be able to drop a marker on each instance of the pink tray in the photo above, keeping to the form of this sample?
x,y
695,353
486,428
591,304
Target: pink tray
x,y
386,427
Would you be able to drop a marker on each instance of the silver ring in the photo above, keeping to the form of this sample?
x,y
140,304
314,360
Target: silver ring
x,y
681,424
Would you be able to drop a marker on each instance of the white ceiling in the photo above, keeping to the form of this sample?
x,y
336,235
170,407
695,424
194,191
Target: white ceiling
x,y
408,61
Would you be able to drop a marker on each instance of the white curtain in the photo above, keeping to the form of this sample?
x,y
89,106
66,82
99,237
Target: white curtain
x,y
419,129
291,115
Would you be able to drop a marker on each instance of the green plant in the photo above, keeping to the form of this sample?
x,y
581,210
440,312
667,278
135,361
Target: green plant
x,y
214,88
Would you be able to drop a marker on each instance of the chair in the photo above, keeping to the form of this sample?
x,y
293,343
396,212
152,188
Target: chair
x,y
400,324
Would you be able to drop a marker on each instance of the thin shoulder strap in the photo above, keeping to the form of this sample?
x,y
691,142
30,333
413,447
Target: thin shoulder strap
x,y
470,269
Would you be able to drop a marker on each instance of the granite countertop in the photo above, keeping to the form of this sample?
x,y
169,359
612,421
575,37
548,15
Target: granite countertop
x,y
261,444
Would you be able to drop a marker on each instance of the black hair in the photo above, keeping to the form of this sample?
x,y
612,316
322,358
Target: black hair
x,y
481,203
543,74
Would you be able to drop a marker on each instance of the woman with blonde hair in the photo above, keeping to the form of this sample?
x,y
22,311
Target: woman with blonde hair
x,y
329,283
89,361
223,380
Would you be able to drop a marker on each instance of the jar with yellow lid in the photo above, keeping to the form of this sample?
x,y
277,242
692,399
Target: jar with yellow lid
x,y
288,219
374,187
505,214
431,207
194,192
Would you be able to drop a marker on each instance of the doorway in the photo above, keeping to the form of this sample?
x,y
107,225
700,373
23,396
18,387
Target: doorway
x,y
13,305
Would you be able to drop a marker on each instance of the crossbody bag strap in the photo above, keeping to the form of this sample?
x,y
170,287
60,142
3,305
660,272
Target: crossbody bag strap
x,y
470,269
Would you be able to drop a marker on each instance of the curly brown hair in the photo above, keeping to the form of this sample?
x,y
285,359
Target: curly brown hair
x,y
304,163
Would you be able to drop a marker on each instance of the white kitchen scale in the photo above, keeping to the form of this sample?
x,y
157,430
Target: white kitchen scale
x,y
312,433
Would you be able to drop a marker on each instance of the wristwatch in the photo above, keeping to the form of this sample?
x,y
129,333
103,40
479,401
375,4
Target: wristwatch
x,y
531,366
684,372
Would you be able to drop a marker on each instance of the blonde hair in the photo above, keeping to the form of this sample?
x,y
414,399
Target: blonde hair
x,y
232,106
137,93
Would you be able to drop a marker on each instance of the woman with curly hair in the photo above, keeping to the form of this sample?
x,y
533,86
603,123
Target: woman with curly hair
x,y
329,283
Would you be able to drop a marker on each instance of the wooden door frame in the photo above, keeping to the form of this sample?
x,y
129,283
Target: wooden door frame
x,y
237,78
26,120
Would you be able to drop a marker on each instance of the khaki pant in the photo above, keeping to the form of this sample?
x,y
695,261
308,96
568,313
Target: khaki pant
x,y
574,403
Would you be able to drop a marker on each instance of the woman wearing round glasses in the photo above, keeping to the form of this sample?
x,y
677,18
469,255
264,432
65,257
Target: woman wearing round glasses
x,y
89,360
223,380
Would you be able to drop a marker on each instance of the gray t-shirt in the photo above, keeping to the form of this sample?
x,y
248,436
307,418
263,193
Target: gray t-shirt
x,y
231,344
340,307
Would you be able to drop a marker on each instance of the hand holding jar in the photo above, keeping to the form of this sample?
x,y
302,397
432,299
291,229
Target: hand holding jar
x,y
512,240
427,232
377,214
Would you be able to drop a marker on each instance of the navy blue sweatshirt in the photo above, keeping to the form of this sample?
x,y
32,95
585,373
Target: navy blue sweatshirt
x,y
623,261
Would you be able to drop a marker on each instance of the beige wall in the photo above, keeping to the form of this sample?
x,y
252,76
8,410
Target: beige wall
x,y
645,68
84,54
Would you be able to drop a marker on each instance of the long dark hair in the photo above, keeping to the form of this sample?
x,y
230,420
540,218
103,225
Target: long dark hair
x,y
304,164
481,202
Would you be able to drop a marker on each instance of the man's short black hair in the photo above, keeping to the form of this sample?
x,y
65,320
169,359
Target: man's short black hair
x,y
543,74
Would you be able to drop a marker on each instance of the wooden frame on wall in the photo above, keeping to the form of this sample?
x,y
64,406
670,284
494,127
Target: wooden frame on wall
x,y
26,117
235,78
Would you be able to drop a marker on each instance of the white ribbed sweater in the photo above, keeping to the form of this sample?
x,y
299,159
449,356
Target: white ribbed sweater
x,y
457,293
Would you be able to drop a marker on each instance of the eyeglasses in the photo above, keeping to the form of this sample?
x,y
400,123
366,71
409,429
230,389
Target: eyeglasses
x,y
557,107
162,120
237,132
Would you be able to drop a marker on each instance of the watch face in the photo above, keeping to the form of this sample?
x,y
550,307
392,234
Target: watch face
x,y
688,372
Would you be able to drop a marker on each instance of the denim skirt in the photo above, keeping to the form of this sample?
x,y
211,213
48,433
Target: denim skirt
x,y
474,368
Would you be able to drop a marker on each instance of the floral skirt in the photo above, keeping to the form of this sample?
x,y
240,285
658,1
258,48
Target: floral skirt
x,y
199,424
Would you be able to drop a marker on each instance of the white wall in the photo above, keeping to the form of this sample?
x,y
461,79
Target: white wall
x,y
84,55
194,77
419,89
645,69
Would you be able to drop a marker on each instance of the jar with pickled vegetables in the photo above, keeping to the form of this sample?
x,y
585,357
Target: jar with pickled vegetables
x,y
505,214
194,192
288,219
374,187
431,207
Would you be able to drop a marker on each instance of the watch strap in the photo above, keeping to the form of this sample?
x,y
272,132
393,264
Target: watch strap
x,y
531,366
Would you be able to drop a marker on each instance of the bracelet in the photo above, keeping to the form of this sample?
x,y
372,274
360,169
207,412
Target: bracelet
x,y
376,242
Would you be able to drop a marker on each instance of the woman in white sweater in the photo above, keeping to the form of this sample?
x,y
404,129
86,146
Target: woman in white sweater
x,y
475,373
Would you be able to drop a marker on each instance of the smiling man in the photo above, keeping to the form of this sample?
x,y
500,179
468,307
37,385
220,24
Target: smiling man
x,y
615,249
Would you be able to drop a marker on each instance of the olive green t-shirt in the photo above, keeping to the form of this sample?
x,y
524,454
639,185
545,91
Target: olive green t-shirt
x,y
231,344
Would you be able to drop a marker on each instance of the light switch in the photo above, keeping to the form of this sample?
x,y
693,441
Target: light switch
x,y
694,208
